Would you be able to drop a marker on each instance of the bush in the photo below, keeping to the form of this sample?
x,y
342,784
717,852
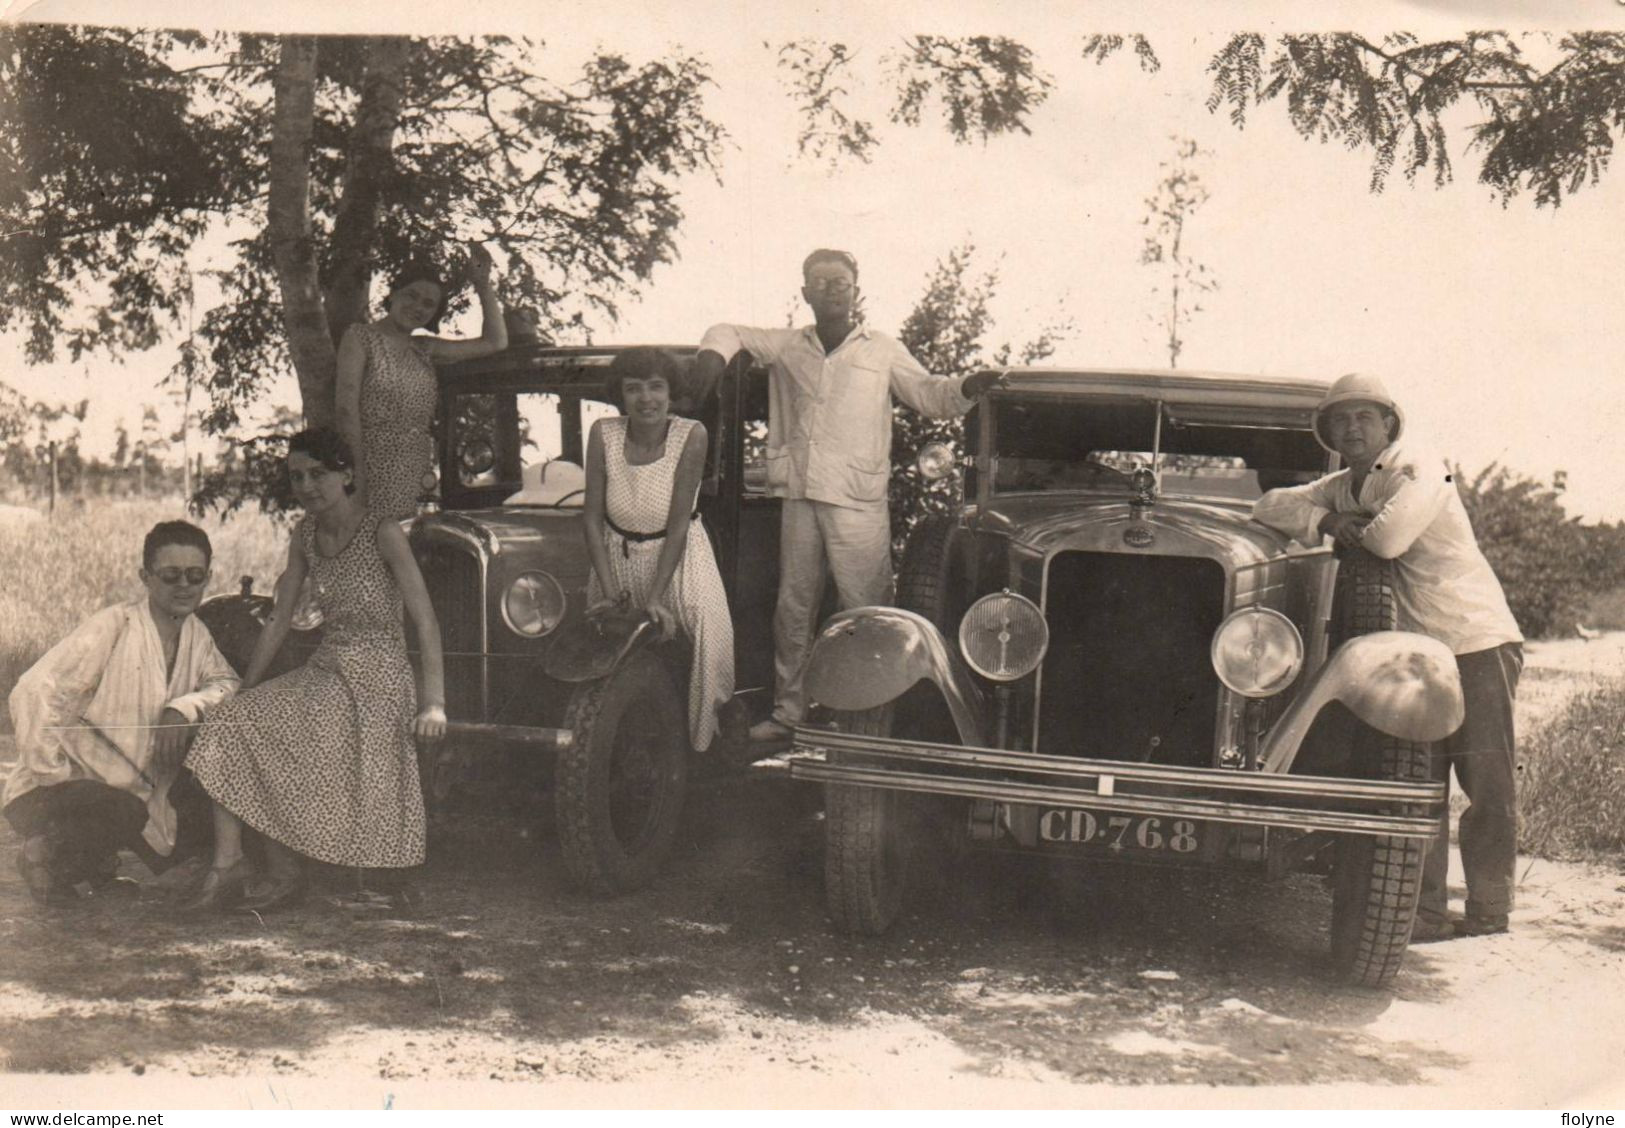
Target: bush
x,y
1606,612
1571,797
1549,564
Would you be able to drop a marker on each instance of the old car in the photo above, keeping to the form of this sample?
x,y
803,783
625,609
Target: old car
x,y
1100,655
590,708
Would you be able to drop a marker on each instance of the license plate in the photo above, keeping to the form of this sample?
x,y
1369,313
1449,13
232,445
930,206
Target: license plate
x,y
1118,832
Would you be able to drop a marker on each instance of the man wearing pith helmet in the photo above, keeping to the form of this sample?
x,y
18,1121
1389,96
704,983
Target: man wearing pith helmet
x,y
1399,503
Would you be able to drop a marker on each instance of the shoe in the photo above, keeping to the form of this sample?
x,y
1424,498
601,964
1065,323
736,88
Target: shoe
x,y
277,893
104,879
1474,924
1432,929
34,866
221,888
770,731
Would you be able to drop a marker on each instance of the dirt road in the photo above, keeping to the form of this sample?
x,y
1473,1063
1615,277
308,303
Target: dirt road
x,y
1009,983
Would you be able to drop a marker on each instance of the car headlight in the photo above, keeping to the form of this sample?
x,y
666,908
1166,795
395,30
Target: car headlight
x,y
1003,636
1257,652
935,460
476,459
533,605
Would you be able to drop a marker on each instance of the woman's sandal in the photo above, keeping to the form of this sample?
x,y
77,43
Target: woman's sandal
x,y
277,893
221,888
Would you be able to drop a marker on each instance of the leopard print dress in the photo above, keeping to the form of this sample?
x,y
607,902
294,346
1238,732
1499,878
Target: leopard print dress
x,y
398,393
322,758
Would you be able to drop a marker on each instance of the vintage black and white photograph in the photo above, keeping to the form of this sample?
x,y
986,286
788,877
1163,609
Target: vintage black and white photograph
x,y
870,555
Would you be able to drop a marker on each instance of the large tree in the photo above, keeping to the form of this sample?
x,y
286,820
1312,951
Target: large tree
x,y
329,160
326,161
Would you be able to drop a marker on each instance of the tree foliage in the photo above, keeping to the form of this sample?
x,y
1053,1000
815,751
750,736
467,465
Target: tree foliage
x,y
947,331
981,87
124,148
1549,564
1549,107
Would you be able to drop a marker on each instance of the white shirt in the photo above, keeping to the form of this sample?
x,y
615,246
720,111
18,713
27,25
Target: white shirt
x,y
829,414
86,709
1443,585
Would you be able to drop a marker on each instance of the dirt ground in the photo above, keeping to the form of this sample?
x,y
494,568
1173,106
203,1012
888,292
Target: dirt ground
x,y
1009,983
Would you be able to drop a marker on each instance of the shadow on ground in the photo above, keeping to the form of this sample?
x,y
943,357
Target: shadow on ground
x,y
1003,964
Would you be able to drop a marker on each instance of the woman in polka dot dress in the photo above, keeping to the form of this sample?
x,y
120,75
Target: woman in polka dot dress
x,y
643,535
386,389
321,760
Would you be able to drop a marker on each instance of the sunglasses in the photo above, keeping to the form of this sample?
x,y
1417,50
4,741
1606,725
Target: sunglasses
x,y
831,286
173,576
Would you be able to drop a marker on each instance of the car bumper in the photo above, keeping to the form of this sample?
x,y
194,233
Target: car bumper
x,y
1311,803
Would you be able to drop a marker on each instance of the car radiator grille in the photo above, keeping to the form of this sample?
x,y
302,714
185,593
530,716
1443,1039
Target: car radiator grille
x,y
1128,676
455,588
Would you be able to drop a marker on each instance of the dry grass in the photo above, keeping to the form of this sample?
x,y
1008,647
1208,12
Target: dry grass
x,y
53,573
1571,799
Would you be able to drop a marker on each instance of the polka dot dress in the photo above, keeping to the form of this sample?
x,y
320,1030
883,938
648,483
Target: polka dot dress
x,y
322,758
638,499
398,394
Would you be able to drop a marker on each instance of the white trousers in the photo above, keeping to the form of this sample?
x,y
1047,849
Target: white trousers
x,y
816,539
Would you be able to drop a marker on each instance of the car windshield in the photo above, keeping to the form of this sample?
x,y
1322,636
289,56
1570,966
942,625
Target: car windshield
x,y
1061,443
521,447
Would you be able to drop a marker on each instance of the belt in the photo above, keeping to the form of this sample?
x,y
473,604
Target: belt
x,y
628,538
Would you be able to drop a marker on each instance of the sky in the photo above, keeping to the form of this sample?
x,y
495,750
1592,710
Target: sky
x,y
1496,327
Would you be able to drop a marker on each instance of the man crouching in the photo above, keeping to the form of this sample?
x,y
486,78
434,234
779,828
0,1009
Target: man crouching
x,y
103,722
1395,503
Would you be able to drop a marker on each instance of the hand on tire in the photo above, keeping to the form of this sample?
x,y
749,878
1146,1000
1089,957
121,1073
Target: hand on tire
x,y
660,615
430,725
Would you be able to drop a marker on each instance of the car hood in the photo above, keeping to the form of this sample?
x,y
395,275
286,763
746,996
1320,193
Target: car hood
x,y
504,531
1050,523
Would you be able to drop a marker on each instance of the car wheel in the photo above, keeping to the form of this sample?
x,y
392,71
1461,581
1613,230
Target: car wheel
x,y
1378,878
923,577
619,787
1376,886
868,845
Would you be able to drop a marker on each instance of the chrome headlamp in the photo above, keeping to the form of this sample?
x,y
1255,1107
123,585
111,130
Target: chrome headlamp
x,y
533,605
1003,636
935,460
1257,652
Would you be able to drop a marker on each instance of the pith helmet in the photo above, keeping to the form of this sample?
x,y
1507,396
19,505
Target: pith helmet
x,y
1357,386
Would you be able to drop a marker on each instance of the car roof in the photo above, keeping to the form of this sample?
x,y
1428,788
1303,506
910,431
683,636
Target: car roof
x,y
579,367
1177,386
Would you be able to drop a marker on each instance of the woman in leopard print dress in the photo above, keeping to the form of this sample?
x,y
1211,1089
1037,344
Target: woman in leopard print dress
x,y
321,760
386,389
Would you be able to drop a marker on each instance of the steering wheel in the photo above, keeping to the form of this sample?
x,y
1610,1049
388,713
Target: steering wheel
x,y
559,504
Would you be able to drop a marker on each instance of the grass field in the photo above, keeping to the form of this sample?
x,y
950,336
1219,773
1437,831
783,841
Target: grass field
x,y
1571,799
55,571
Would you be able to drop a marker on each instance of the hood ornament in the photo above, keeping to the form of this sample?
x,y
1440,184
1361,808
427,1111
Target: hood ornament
x,y
1144,482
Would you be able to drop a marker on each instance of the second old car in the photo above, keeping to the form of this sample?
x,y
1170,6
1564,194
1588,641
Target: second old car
x,y
542,698
1100,655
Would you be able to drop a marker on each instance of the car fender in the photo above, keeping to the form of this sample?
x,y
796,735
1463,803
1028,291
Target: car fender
x,y
236,621
868,656
1400,683
594,646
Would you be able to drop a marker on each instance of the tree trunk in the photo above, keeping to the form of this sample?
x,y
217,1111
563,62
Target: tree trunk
x,y
293,248
370,159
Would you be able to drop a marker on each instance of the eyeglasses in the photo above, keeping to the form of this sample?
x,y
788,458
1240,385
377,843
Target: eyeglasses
x,y
834,286
173,576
